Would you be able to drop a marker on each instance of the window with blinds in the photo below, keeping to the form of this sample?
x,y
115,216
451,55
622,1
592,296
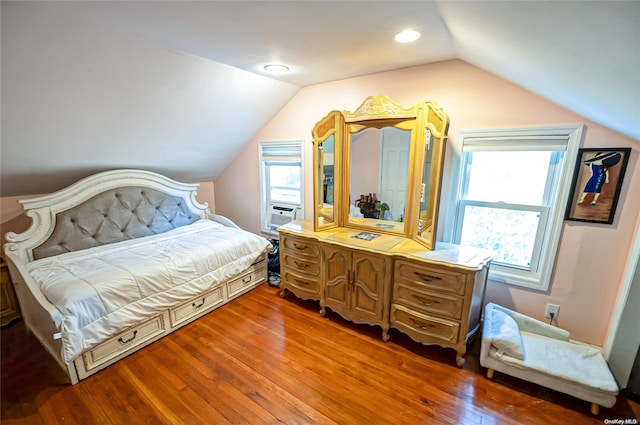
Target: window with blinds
x,y
281,179
510,198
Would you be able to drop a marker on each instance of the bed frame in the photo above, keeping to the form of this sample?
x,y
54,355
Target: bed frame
x,y
176,205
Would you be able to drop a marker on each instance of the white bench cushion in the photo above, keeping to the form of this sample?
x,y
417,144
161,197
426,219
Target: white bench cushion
x,y
568,361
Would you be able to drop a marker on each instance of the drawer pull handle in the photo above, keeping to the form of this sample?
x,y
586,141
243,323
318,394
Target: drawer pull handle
x,y
247,279
301,282
123,341
194,305
300,247
427,277
421,325
301,265
425,301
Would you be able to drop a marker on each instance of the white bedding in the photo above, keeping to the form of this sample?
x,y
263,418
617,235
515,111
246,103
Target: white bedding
x,y
106,289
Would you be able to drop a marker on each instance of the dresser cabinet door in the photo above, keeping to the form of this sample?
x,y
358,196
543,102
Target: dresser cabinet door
x,y
357,286
367,298
338,278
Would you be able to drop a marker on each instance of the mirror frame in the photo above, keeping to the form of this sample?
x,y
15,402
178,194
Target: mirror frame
x,y
422,118
331,124
435,125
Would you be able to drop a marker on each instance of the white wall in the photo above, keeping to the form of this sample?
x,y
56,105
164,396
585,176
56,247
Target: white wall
x,y
77,98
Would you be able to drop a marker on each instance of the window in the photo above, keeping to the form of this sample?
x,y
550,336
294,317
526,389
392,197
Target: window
x,y
281,178
510,197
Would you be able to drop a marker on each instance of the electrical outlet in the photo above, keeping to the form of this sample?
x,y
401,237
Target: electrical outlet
x,y
552,308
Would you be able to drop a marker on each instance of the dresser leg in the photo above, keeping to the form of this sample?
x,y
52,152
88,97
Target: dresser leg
x,y
385,335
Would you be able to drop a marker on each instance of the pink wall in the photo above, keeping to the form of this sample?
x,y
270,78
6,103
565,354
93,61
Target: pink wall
x,y
12,219
592,257
207,194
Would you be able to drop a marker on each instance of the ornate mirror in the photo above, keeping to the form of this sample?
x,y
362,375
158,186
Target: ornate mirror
x,y
379,169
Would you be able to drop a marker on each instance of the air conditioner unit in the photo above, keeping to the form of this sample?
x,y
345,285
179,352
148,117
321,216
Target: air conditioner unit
x,y
280,214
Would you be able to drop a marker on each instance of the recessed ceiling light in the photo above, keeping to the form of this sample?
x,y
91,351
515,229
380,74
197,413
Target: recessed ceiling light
x,y
407,36
276,68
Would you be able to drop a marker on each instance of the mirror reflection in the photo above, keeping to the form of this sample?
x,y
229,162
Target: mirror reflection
x,y
379,171
325,189
425,224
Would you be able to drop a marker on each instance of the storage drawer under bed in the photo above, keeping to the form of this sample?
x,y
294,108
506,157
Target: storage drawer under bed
x,y
196,306
127,341
202,304
243,283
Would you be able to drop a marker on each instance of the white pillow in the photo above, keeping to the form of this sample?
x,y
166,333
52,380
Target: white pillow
x,y
505,335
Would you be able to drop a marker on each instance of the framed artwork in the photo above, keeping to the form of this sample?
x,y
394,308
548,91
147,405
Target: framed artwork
x,y
596,185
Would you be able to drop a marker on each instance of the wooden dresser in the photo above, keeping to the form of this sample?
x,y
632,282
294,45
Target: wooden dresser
x,y
370,254
435,297
9,310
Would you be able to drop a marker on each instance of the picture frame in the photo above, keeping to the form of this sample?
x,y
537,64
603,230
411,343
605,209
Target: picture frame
x,y
596,185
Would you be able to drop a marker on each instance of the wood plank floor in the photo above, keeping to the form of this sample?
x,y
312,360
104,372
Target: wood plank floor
x,y
265,360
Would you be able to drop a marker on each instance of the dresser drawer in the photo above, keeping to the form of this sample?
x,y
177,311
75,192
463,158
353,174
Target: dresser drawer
x,y
126,341
441,304
300,246
424,277
195,306
301,265
303,286
256,275
422,327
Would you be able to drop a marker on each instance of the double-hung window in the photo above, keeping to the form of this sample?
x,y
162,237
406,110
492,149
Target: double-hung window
x,y
510,198
281,178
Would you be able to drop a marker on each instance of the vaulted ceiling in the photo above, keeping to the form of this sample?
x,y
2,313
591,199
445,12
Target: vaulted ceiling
x,y
93,85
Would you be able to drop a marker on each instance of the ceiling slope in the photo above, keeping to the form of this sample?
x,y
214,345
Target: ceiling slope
x,y
157,84
78,98
583,55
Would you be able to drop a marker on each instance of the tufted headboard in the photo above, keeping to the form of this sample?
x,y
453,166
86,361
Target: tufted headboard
x,y
105,208
113,216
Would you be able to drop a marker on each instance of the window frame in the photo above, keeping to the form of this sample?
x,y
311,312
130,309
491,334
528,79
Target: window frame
x,y
565,139
290,151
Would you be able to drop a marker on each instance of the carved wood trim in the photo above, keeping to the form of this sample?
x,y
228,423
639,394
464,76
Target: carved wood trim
x,y
381,107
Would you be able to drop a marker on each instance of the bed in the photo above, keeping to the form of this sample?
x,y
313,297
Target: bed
x,y
120,259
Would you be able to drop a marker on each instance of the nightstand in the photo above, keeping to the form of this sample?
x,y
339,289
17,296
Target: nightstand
x,y
9,310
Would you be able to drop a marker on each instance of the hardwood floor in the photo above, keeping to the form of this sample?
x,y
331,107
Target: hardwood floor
x,y
265,360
